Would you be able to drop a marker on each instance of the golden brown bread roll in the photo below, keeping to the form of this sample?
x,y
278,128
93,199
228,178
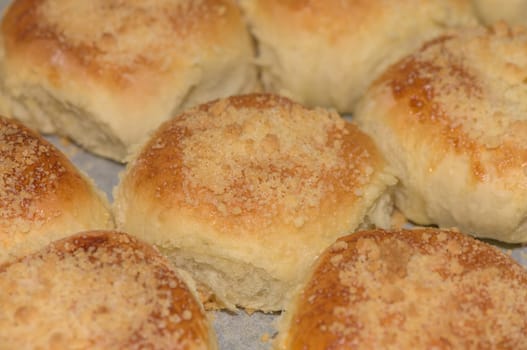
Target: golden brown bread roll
x,y
326,52
422,289
244,193
106,72
451,119
99,290
511,11
43,197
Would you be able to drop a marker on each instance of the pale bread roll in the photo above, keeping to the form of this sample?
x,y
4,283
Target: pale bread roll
x,y
245,192
452,120
326,52
99,290
106,72
43,196
422,289
513,12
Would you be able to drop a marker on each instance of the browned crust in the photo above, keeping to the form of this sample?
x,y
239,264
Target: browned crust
x,y
159,170
428,89
326,313
30,37
175,311
37,180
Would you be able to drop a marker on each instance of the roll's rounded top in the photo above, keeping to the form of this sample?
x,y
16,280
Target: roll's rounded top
x,y
255,158
41,192
467,88
336,19
99,289
410,289
37,182
119,38
31,169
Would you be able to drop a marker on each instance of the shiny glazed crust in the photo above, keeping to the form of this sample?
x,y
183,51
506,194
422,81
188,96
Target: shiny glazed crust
x,y
451,120
249,189
419,289
109,76
99,290
325,53
43,197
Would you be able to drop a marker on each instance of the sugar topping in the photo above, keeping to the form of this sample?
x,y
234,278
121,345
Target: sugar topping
x,y
30,169
122,33
406,290
258,157
470,86
98,290
34,176
42,195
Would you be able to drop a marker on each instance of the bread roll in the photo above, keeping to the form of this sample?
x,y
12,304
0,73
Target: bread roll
x,y
511,11
451,119
43,197
244,193
326,52
99,290
422,289
106,72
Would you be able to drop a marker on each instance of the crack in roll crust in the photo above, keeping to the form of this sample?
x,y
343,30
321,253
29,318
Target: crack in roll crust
x,y
99,290
255,181
42,195
408,290
452,120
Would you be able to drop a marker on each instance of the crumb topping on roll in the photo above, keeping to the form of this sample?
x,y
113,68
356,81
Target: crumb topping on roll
x,y
133,34
101,290
270,164
42,195
245,192
451,119
411,289
105,73
471,96
30,170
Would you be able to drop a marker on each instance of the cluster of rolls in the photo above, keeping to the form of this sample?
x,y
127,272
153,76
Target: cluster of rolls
x,y
245,187
68,280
